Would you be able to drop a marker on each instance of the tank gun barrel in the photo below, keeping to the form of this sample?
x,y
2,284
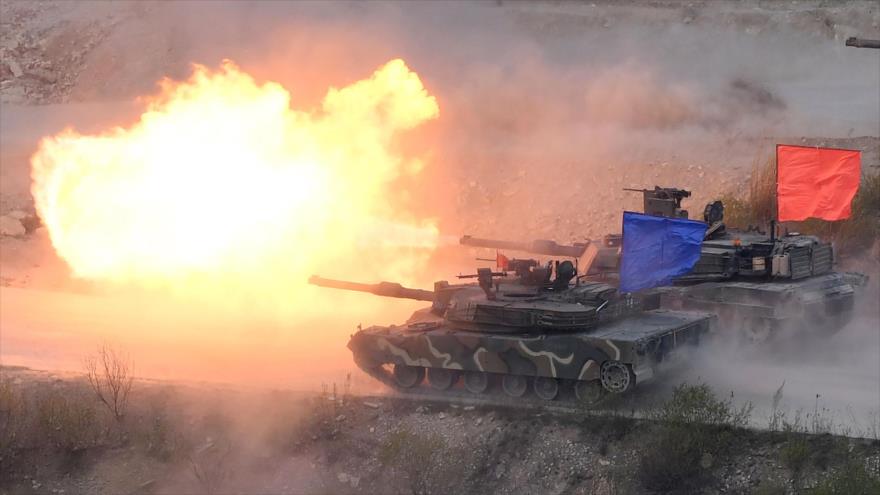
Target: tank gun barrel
x,y
549,248
385,289
862,43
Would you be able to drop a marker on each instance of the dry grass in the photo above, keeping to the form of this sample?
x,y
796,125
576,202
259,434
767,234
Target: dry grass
x,y
757,206
694,429
68,420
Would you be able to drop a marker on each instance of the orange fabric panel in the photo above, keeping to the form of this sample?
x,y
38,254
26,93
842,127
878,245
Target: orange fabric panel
x,y
501,261
816,182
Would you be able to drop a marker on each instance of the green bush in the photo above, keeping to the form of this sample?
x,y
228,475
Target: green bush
x,y
694,430
850,479
769,489
428,462
795,452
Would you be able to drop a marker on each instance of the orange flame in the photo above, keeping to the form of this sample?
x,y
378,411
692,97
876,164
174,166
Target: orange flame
x,y
220,180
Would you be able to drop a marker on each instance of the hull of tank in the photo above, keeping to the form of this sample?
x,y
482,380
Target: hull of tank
x,y
638,343
824,303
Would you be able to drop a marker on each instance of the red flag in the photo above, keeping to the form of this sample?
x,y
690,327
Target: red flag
x,y
815,182
501,261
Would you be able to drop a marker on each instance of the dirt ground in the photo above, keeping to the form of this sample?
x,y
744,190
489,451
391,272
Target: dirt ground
x,y
196,438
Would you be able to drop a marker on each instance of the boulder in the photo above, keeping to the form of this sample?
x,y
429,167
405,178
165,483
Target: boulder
x,y
10,226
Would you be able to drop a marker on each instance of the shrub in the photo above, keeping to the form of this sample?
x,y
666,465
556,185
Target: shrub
x,y
210,466
67,420
770,489
851,478
110,376
428,463
694,429
13,418
157,434
795,452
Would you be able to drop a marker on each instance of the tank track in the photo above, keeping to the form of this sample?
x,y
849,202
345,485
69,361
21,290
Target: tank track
x,y
494,396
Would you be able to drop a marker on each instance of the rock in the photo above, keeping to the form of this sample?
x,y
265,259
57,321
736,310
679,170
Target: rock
x,y
442,416
706,460
42,75
372,405
479,421
10,226
341,417
469,408
15,67
354,481
604,462
372,430
342,477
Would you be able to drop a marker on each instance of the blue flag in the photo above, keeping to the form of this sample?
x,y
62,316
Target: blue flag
x,y
657,249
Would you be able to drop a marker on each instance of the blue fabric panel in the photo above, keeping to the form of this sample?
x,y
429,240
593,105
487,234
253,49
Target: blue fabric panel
x,y
657,249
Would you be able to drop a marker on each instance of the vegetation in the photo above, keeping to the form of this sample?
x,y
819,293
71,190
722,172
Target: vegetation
x,y
110,375
851,478
684,445
68,420
429,464
694,430
757,207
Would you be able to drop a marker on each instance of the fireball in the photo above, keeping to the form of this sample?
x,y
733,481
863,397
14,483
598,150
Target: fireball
x,y
222,183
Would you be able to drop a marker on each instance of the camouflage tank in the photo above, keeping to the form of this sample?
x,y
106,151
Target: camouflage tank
x,y
755,282
532,326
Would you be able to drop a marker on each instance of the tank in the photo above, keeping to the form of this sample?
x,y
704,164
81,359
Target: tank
x,y
531,327
755,282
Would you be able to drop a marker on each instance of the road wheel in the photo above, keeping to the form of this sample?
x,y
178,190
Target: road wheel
x,y
588,392
476,382
515,385
546,388
617,377
406,376
442,378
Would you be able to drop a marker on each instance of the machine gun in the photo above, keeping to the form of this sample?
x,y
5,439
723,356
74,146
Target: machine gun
x,y
663,201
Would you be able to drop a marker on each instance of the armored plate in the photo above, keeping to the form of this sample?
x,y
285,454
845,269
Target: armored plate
x,y
639,341
822,297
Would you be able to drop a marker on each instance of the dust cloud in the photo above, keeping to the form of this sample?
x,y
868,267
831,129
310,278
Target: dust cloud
x,y
826,380
547,110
